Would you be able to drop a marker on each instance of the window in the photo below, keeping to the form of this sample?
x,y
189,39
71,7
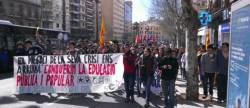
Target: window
x,y
83,24
57,25
29,12
76,1
1,8
11,5
20,13
57,16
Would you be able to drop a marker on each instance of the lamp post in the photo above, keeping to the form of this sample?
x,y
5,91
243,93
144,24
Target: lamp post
x,y
97,23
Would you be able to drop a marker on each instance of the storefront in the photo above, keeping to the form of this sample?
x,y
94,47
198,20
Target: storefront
x,y
224,33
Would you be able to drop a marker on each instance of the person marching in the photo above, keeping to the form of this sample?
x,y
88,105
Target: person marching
x,y
147,66
169,68
129,61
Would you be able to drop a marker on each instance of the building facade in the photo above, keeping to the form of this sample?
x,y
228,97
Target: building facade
x,y
151,29
82,18
66,16
21,12
52,14
128,20
113,11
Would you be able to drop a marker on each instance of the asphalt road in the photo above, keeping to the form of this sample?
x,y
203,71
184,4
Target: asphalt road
x,y
105,100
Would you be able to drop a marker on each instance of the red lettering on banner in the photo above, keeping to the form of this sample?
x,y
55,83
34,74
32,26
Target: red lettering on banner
x,y
60,69
101,69
45,69
60,80
81,69
90,69
26,80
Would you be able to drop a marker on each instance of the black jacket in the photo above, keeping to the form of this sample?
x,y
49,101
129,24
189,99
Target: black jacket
x,y
20,52
168,74
35,50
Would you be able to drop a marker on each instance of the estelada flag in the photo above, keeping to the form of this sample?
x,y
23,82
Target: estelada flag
x,y
102,34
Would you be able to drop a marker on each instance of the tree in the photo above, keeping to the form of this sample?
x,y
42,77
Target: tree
x,y
171,20
136,28
191,24
177,18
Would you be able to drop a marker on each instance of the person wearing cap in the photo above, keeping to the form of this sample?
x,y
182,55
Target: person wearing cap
x,y
129,61
169,67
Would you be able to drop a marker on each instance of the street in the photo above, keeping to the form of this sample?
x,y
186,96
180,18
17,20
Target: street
x,y
104,100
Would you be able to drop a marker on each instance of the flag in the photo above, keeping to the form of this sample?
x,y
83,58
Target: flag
x,y
136,39
102,34
207,40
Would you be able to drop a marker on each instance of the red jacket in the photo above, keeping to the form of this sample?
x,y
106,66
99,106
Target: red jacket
x,y
129,61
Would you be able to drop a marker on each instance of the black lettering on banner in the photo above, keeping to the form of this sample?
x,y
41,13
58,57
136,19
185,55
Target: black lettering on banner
x,y
74,59
52,60
77,59
85,59
19,69
107,58
20,61
61,60
40,59
93,58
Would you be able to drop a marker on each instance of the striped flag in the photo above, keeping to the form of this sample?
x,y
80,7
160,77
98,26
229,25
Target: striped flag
x,y
102,34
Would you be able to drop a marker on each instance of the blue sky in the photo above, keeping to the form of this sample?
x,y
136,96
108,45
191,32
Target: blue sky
x,y
140,10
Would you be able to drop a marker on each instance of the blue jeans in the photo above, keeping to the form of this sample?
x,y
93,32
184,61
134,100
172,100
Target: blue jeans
x,y
147,84
129,81
168,87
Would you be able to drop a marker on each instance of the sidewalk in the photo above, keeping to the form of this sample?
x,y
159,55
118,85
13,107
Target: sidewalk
x,y
202,103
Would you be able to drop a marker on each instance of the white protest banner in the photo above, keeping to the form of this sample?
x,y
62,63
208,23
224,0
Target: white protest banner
x,y
90,73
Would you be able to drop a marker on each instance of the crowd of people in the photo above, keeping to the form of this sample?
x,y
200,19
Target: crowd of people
x,y
141,61
212,69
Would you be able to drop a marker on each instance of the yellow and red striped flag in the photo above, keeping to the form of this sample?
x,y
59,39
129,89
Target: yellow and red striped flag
x,y
207,40
102,34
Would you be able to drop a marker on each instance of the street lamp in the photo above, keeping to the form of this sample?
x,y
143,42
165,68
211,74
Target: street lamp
x,y
97,15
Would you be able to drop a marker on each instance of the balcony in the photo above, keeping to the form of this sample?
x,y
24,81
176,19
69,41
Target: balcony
x,y
90,16
89,5
90,23
90,1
